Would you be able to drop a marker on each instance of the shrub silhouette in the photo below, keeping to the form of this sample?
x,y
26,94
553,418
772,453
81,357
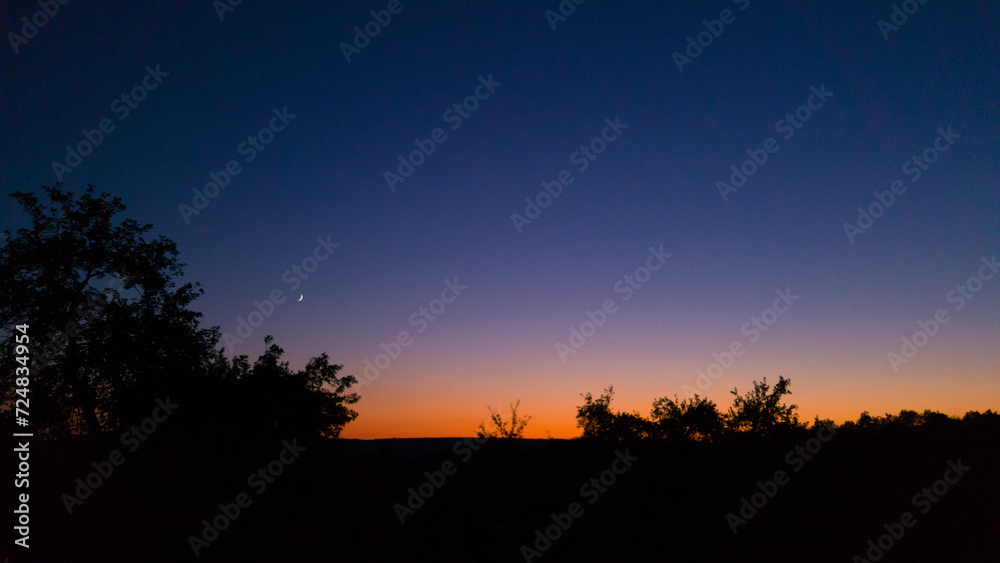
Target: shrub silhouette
x,y
505,429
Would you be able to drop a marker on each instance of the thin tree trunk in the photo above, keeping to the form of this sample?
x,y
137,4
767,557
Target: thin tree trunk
x,y
82,391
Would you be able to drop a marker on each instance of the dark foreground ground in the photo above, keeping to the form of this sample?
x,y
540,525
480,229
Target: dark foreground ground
x,y
335,501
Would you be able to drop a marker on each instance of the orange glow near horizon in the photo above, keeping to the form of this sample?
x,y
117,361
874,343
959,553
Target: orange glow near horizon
x,y
399,409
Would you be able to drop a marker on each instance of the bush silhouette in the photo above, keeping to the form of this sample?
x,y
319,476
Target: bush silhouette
x,y
505,429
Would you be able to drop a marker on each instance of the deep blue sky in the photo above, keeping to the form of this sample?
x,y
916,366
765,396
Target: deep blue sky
x,y
322,176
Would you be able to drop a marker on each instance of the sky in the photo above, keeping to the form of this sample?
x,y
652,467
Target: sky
x,y
490,202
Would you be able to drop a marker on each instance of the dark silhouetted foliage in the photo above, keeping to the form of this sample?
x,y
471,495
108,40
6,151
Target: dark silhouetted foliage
x,y
691,419
762,412
759,412
597,420
514,428
268,398
111,333
97,353
594,416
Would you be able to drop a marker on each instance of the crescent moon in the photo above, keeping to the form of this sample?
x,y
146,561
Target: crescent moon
x,y
300,297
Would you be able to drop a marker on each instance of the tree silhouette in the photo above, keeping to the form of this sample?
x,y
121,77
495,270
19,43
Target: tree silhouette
x,y
94,348
631,426
594,416
691,419
101,355
761,412
597,420
268,398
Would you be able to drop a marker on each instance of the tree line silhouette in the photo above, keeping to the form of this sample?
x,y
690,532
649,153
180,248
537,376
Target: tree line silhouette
x,y
112,334
760,412
102,355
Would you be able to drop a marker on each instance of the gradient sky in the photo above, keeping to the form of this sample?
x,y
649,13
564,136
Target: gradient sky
x,y
655,185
